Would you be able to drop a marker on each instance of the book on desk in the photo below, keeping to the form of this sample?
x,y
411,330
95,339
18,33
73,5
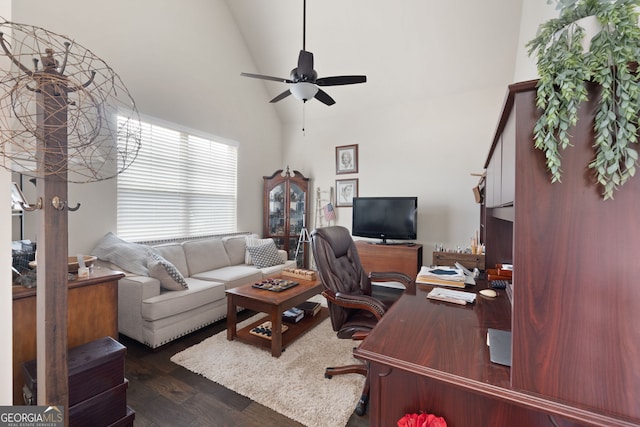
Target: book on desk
x,y
444,276
452,296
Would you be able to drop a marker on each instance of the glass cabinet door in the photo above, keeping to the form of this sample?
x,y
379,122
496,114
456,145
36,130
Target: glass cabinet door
x,y
276,210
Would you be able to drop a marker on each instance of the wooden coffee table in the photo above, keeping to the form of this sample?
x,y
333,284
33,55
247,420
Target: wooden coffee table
x,y
274,304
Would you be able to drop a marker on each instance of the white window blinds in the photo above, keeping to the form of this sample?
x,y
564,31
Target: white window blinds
x,y
180,185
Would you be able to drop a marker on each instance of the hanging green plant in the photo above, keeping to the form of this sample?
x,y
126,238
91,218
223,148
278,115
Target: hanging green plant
x,y
565,67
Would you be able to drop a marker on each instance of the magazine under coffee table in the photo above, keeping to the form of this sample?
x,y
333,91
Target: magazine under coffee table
x,y
273,304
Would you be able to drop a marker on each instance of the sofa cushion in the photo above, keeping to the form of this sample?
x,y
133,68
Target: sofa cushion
x,y
253,240
232,276
204,255
168,275
174,253
265,255
126,255
236,249
167,304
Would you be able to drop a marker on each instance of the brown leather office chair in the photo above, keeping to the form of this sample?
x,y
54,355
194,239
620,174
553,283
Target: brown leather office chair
x,y
347,288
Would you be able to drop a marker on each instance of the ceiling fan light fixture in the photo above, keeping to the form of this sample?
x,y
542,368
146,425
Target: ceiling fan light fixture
x,y
303,82
303,91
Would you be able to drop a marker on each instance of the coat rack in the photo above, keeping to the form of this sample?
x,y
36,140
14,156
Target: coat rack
x,y
65,116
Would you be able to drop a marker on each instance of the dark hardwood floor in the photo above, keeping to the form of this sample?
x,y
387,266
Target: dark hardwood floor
x,y
165,394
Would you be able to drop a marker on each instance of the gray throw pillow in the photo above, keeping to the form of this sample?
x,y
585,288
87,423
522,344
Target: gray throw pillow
x,y
128,256
265,255
254,240
168,275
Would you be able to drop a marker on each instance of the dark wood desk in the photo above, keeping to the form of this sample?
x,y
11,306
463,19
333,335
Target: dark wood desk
x,y
432,356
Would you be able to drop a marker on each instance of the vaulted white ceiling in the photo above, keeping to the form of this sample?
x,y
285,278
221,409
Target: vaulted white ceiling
x,y
408,49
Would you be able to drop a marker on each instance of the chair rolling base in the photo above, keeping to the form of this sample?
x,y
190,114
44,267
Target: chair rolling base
x,y
361,406
348,369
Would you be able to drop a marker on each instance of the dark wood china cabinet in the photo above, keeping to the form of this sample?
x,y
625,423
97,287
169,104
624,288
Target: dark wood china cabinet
x,y
286,212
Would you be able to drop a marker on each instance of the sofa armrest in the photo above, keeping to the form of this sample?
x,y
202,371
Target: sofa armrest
x,y
283,255
132,290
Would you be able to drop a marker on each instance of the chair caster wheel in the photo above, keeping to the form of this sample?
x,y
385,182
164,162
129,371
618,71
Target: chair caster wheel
x,y
327,374
361,407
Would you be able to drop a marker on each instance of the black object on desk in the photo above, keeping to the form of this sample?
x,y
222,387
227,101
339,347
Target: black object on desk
x,y
499,346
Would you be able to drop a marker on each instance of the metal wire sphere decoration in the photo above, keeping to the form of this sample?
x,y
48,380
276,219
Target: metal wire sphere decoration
x,y
97,112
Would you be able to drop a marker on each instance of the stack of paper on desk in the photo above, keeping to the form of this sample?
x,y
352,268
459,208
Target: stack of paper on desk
x,y
448,295
444,276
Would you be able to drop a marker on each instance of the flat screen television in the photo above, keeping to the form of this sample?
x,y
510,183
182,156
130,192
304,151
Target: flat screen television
x,y
385,218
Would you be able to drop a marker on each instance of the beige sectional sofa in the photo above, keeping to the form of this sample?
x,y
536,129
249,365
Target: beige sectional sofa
x,y
177,288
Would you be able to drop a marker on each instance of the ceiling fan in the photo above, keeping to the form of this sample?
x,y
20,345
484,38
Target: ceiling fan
x,y
303,82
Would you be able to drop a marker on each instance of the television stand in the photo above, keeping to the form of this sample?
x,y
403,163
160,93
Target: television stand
x,y
396,257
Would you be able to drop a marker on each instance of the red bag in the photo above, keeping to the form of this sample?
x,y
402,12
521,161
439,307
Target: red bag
x,y
421,420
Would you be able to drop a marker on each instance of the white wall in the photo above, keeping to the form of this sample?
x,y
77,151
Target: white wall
x,y
427,145
6,335
533,13
423,147
6,319
180,64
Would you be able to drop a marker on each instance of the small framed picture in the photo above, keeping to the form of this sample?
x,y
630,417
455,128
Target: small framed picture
x,y
346,190
347,159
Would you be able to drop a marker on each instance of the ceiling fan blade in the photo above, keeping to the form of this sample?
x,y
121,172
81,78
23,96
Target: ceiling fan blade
x,y
305,63
281,96
324,97
260,76
340,80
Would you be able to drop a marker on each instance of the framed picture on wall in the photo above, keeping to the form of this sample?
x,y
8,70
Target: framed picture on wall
x,y
346,190
347,159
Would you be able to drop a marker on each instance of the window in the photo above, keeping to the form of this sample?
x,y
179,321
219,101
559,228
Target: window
x,y
180,185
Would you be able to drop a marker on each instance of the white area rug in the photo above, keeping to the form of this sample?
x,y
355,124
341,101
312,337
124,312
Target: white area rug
x,y
293,384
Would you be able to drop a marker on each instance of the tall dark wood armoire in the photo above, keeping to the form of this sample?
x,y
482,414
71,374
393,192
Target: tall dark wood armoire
x,y
286,213
576,296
